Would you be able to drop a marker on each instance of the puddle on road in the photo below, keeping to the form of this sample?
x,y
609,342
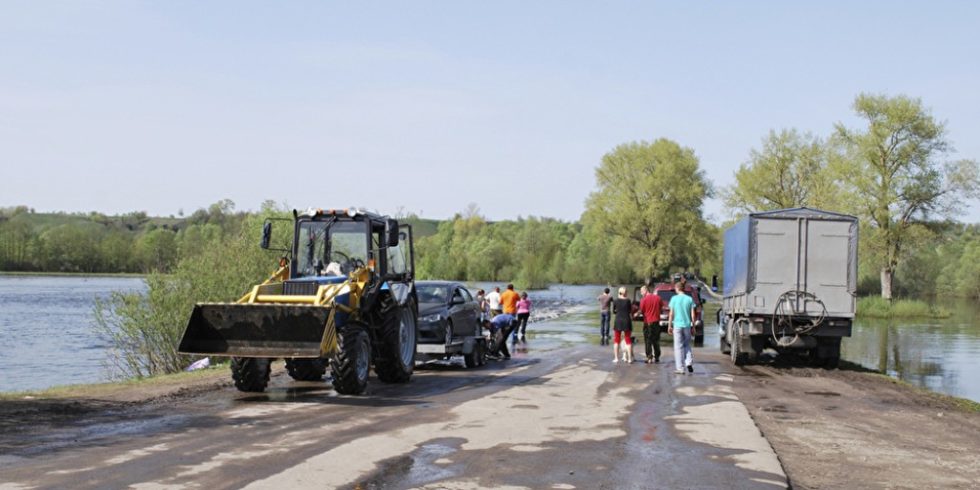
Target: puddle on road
x,y
429,463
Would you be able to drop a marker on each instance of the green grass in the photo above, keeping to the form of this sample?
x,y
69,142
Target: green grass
x,y
877,307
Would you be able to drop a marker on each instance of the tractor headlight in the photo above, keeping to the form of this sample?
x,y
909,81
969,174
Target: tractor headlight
x,y
430,318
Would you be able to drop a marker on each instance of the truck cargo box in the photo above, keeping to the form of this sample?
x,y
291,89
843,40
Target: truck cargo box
x,y
771,253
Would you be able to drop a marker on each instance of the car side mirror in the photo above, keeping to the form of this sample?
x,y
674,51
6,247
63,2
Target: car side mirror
x,y
457,300
266,235
391,232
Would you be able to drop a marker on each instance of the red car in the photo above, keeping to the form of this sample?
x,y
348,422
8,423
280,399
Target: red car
x,y
666,291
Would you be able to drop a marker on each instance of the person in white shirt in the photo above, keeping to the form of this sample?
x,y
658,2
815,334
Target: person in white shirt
x,y
493,299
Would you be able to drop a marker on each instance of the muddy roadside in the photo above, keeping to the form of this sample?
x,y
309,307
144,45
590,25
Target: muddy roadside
x,y
29,417
851,429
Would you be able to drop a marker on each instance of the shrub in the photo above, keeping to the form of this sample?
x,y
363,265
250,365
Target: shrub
x,y
878,307
144,329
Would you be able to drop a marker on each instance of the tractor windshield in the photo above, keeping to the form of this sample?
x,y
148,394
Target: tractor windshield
x,y
331,247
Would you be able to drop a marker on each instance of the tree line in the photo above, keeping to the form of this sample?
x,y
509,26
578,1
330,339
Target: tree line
x,y
645,217
96,243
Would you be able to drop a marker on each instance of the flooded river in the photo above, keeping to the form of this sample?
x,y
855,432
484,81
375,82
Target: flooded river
x,y
47,327
46,323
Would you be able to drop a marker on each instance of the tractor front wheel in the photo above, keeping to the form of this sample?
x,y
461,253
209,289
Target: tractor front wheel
x,y
251,374
306,369
349,367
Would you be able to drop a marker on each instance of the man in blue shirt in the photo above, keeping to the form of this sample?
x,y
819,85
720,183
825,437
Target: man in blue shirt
x,y
500,328
679,323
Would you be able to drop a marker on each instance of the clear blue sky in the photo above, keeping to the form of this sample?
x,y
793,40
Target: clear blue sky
x,y
428,106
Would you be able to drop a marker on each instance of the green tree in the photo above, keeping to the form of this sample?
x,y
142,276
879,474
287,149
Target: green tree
x,y
157,250
534,246
896,175
144,329
71,247
788,171
649,200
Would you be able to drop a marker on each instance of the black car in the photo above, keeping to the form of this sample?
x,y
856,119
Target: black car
x,y
447,312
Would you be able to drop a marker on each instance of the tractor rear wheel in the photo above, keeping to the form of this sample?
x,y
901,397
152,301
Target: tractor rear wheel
x,y
350,367
398,338
306,369
251,374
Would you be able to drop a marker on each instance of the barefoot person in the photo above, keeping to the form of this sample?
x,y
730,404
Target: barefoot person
x,y
623,327
679,325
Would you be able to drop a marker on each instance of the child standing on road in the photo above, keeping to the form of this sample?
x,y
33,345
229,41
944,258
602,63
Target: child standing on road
x,y
523,313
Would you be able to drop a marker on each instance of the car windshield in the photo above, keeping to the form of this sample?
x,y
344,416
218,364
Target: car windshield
x,y
432,293
330,248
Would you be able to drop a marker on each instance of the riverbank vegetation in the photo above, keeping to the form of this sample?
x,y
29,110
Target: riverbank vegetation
x,y
878,307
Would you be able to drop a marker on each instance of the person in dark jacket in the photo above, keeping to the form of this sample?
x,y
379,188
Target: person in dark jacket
x,y
623,327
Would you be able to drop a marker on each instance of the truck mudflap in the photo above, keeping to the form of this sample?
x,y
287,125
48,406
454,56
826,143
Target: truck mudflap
x,y
260,330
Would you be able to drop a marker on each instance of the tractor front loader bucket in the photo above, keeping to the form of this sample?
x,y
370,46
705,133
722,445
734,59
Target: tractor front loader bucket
x,y
259,330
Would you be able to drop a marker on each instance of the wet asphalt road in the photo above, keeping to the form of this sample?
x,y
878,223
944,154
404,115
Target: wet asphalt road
x,y
565,418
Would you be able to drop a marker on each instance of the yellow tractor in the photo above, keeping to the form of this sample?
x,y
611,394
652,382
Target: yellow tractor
x,y
343,297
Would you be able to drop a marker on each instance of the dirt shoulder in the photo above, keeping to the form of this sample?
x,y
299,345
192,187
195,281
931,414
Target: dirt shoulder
x,y
27,416
849,429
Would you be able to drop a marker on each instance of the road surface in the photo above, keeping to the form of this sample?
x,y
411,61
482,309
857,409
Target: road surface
x,y
565,418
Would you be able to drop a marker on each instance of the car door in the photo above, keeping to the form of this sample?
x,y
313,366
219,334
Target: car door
x,y
457,312
472,313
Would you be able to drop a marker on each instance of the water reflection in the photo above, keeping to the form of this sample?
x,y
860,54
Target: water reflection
x,y
935,354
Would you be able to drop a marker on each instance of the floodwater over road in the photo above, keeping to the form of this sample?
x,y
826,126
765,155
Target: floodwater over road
x,y
49,340
941,355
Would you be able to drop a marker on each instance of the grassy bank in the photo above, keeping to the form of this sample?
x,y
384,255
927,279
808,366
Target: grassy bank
x,y
877,307
124,388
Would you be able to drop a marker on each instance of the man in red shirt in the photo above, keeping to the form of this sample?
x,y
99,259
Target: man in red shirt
x,y
650,306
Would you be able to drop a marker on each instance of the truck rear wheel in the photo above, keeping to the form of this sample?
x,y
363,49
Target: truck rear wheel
x,y
398,338
251,374
739,358
350,367
306,369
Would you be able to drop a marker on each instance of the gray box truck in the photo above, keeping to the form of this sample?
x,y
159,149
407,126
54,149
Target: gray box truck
x,y
790,282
